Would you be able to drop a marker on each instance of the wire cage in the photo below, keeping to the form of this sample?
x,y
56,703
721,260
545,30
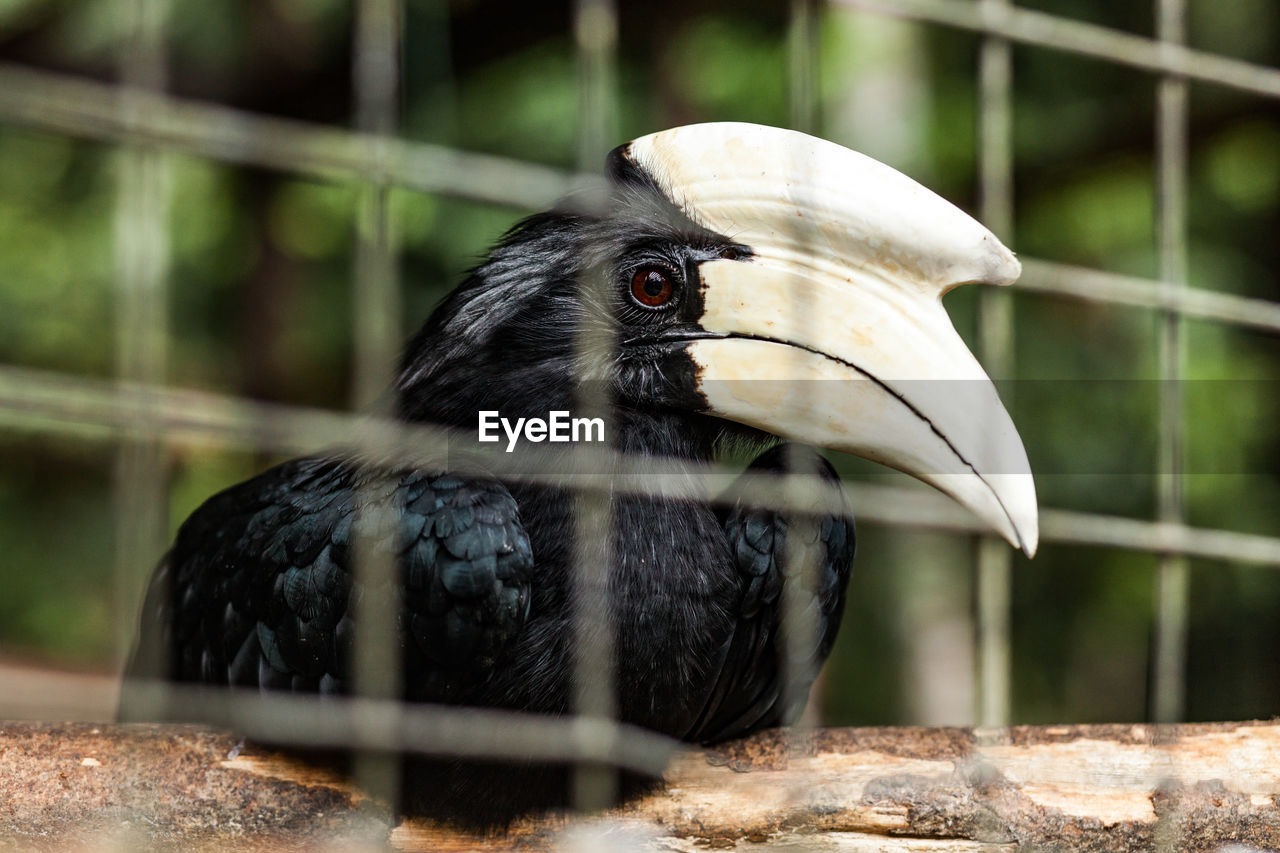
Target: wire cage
x,y
142,412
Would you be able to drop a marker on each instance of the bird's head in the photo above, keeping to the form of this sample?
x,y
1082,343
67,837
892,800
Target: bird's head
x,y
753,275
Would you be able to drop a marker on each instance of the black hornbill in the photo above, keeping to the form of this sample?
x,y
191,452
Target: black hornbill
x,y
758,282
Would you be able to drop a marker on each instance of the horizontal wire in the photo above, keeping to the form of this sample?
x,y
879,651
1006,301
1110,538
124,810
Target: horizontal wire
x,y
47,401
420,728
88,109
908,507
59,403
92,110
1116,289
1042,29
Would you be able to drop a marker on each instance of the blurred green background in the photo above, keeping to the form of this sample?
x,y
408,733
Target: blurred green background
x,y
261,302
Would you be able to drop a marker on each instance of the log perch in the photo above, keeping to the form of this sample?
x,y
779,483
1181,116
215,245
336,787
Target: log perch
x,y
1199,787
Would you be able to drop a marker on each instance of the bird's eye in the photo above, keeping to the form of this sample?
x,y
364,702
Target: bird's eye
x,y
652,287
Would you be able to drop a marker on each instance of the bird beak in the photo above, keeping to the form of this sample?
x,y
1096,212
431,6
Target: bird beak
x,y
832,330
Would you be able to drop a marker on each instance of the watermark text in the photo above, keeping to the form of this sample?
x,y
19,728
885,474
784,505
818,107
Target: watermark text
x,y
557,427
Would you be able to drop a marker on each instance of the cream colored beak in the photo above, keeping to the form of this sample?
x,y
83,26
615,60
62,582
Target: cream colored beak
x,y
833,331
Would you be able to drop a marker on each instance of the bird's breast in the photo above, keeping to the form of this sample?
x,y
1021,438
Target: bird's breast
x,y
670,594
673,594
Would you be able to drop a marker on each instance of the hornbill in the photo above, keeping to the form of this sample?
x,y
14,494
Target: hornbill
x,y
756,284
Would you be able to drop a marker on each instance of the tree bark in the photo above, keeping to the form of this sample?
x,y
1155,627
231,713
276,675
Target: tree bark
x,y
1195,787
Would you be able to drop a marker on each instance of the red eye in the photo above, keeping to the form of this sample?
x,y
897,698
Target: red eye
x,y
652,286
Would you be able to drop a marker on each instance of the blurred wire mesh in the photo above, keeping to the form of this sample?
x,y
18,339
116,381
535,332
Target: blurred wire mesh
x,y
409,168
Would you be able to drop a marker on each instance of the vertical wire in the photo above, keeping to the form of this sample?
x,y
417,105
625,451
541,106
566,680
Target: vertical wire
x,y
595,786
139,486
376,74
595,30
1168,687
376,656
803,39
995,347
1168,676
799,635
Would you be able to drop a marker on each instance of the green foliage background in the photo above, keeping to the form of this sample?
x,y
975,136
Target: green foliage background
x,y
261,297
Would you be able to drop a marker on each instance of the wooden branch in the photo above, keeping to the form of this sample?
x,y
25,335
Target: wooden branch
x,y
1115,788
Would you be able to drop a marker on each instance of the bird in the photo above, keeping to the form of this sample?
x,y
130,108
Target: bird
x,y
754,287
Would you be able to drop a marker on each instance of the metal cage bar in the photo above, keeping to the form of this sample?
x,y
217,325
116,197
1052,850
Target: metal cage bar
x,y
1172,593
139,479
595,785
1041,29
69,105
799,636
388,725
93,408
995,347
376,335
56,103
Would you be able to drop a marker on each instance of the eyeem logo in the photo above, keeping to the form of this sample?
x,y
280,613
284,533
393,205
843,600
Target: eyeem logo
x,y
558,427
